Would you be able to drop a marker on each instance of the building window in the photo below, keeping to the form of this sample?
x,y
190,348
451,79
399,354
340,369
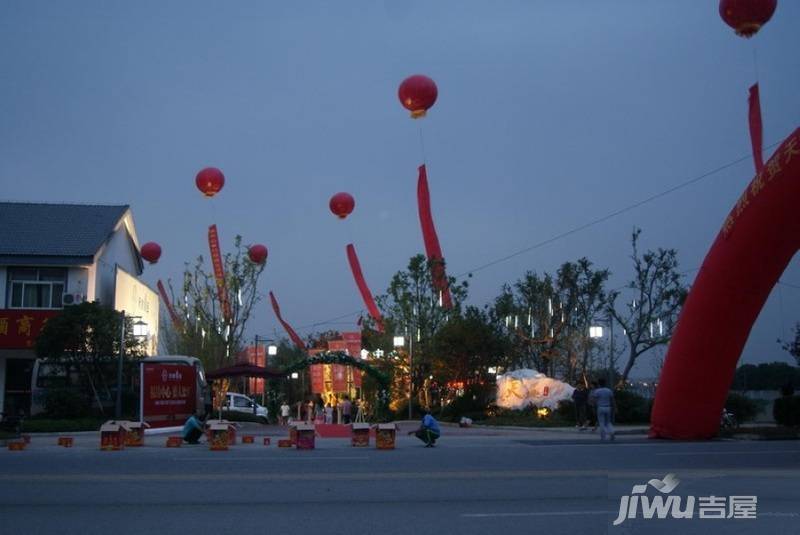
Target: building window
x,y
36,287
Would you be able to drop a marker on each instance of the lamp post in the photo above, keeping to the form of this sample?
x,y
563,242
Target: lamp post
x,y
272,350
597,332
140,331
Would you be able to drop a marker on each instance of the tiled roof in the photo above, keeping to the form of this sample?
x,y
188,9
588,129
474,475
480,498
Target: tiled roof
x,y
63,230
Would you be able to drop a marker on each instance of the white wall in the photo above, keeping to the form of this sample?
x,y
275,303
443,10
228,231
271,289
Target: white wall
x,y
117,251
78,282
3,296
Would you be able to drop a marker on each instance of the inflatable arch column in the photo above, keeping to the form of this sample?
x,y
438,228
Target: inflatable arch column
x,y
757,241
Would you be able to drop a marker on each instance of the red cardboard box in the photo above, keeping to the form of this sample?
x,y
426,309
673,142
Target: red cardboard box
x,y
360,437
220,437
305,437
385,436
65,442
248,439
112,436
174,442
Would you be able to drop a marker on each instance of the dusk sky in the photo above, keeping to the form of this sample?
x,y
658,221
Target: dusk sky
x,y
550,115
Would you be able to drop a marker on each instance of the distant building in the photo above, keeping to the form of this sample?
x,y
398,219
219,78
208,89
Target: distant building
x,y
53,255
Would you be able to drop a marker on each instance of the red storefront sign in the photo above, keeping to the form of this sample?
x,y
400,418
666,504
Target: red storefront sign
x,y
168,393
20,328
317,378
337,345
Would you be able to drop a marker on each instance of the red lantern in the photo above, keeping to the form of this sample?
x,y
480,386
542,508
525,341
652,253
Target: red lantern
x,y
151,251
257,253
746,16
342,204
210,181
417,94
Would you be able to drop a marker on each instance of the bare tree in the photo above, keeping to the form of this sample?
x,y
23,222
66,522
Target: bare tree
x,y
205,331
657,296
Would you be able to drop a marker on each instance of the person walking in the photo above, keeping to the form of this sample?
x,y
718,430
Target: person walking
x,y
284,414
347,410
604,403
580,398
428,431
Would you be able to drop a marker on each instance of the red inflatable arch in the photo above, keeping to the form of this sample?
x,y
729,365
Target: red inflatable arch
x,y
757,241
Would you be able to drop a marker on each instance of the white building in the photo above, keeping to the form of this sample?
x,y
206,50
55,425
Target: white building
x,y
52,255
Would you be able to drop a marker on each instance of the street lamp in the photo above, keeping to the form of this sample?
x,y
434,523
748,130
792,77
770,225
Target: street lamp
x,y
140,331
597,332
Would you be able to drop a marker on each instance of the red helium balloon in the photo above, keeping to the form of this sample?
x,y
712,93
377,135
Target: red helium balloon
x,y
257,253
151,251
417,94
746,16
210,181
342,204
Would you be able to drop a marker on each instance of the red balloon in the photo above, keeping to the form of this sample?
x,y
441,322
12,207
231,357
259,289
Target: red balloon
x,y
210,181
151,251
417,94
342,204
746,16
257,253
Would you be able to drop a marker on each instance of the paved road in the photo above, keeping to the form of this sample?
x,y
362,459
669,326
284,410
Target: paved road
x,y
474,482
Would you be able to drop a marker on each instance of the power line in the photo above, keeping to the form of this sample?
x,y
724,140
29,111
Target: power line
x,y
611,215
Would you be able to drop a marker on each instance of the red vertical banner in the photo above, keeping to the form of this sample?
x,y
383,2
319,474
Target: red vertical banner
x,y
219,272
317,372
288,328
356,377
431,239
366,294
756,129
176,320
339,372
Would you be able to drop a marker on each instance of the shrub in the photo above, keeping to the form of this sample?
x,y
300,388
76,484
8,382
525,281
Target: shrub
x,y
742,407
66,403
786,410
631,407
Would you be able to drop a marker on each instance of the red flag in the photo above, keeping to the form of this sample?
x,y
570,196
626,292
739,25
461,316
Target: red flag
x,y
219,272
366,295
176,321
432,247
756,129
293,335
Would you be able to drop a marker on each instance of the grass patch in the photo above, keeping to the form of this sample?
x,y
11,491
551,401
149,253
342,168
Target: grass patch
x,y
46,425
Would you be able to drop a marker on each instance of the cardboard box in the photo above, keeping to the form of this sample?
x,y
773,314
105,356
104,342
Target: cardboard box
x,y
17,445
360,436
65,442
293,433
248,439
220,437
284,443
112,436
134,433
174,442
385,436
231,430
306,435
266,441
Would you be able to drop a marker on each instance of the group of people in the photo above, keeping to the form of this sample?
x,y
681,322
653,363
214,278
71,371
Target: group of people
x,y
595,408
312,412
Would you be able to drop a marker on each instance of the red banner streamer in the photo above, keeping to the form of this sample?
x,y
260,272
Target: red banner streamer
x,y
756,130
366,295
432,247
293,335
176,320
219,272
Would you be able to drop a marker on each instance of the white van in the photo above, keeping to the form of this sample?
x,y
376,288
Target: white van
x,y
242,403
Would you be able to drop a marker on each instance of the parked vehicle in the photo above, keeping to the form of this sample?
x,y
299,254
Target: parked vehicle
x,y
241,403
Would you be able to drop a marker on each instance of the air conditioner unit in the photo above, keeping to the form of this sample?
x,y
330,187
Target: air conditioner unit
x,y
72,299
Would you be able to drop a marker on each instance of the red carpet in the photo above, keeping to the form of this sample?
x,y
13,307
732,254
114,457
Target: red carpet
x,y
335,431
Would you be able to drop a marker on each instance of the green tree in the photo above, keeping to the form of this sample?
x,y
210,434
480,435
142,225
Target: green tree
x,y
547,318
657,294
205,332
793,346
411,308
87,338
